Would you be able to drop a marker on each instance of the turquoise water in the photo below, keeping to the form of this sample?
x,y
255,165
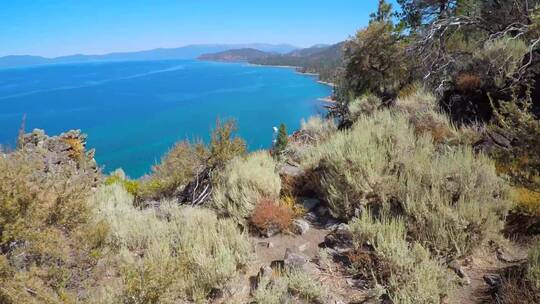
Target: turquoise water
x,y
133,112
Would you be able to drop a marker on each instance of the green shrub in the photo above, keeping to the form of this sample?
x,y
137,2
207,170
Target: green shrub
x,y
176,169
374,61
243,183
451,199
500,58
521,162
41,215
119,177
187,160
282,140
224,145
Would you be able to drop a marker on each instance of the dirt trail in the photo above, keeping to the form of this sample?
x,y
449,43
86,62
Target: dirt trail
x,y
484,264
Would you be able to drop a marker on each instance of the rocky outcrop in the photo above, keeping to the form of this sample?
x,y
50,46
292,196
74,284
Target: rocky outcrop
x,y
64,154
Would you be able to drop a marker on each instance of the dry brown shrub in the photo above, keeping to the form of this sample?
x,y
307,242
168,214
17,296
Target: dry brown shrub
x,y
468,82
270,214
434,124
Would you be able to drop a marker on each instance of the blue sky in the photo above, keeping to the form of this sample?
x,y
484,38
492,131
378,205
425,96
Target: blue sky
x,y
63,27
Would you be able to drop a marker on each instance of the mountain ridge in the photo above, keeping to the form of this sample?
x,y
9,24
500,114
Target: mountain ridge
x,y
185,52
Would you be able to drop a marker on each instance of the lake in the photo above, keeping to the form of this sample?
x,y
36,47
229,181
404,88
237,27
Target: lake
x,y
133,112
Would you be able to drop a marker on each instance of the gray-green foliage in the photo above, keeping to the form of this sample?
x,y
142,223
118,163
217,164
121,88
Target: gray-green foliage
x,y
451,198
170,255
289,285
415,277
533,265
243,183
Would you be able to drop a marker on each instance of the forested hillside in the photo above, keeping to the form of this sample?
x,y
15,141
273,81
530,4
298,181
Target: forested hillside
x,y
325,61
236,55
421,186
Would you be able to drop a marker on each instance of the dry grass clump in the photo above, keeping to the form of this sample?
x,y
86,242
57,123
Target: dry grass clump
x,y
422,109
243,183
270,215
365,104
468,82
288,285
410,274
520,284
171,255
533,266
527,200
318,128
451,199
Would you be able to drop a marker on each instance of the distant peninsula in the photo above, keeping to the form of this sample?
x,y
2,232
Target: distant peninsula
x,y
323,60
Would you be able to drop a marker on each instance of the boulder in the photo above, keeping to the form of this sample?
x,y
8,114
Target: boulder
x,y
300,226
290,170
339,239
271,230
293,260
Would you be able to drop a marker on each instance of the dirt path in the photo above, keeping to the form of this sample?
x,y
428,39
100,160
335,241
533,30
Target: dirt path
x,y
483,264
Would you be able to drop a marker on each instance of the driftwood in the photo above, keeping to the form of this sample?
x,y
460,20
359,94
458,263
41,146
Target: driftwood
x,y
197,191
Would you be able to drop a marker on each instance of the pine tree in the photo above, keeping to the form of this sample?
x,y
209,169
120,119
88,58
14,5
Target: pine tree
x,y
281,141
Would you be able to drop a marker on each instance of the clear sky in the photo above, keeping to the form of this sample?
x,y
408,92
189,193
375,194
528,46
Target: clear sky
x,y
64,27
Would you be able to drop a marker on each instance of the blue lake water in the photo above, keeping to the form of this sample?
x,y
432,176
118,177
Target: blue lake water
x,y
133,112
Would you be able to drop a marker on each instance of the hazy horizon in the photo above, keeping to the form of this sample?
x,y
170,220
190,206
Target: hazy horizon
x,y
172,47
62,28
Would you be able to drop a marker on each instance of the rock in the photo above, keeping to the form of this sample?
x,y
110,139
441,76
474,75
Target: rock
x,y
303,247
492,280
331,224
310,203
500,139
458,269
310,216
300,226
287,169
355,283
293,260
266,244
271,230
264,274
503,257
340,239
63,154
322,211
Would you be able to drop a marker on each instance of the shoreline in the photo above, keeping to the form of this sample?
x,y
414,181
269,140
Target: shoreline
x,y
327,99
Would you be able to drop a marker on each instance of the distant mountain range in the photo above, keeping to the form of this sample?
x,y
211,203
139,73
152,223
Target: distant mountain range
x,y
185,52
325,60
